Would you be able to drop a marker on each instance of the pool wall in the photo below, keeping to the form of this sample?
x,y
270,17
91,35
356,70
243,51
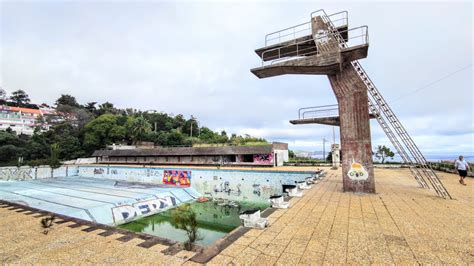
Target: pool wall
x,y
40,172
241,185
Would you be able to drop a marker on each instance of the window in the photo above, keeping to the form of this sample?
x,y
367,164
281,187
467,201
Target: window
x,y
247,158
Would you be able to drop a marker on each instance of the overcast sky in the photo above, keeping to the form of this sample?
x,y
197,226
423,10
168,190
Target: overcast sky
x,y
194,58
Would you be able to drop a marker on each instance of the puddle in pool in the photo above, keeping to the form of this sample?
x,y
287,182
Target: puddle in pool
x,y
214,222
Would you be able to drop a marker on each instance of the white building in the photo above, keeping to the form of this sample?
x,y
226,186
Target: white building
x,y
23,120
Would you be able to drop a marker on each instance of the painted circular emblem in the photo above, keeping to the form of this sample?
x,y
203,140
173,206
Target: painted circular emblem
x,y
357,172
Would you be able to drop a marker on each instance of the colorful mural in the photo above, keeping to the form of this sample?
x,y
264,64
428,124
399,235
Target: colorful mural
x,y
177,178
357,172
263,158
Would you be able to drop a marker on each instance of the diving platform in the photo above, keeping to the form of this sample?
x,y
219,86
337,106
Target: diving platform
x,y
324,115
310,62
290,48
303,49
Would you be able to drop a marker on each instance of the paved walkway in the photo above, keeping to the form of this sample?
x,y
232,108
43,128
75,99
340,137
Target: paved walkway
x,y
22,242
400,224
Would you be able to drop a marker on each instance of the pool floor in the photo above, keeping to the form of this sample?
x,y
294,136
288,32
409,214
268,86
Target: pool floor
x,y
91,199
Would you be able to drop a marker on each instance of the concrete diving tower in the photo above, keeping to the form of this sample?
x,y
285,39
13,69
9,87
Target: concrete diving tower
x,y
314,48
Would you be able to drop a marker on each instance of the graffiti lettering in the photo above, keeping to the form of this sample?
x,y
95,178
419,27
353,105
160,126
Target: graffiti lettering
x,y
152,172
263,158
225,187
15,173
98,171
127,213
256,189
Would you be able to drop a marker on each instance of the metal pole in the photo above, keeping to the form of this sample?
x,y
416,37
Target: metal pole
x,y
333,135
191,129
324,149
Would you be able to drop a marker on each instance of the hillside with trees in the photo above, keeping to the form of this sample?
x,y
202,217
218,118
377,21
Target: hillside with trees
x,y
84,128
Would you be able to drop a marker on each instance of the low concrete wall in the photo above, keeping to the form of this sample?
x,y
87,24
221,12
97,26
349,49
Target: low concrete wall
x,y
39,172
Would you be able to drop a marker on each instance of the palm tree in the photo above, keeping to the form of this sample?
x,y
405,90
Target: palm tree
x,y
140,128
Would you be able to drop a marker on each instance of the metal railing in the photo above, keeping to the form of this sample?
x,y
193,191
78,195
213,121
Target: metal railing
x,y
318,111
357,36
339,19
303,29
288,34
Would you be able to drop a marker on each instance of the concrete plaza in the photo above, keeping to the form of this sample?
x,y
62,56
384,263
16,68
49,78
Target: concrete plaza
x,y
401,224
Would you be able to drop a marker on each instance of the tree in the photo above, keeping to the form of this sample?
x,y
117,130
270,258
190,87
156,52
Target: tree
x,y
8,153
20,98
102,131
329,157
291,154
383,152
175,138
184,218
140,128
54,159
107,108
67,99
38,147
90,107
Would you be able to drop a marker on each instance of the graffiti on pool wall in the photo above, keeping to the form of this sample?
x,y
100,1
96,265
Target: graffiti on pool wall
x,y
263,158
129,212
256,189
357,172
98,171
177,177
152,172
225,188
15,173
113,171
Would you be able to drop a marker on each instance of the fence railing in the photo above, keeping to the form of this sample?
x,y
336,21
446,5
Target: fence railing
x,y
318,111
303,29
356,36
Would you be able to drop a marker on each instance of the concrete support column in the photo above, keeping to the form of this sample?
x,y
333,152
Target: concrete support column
x,y
356,148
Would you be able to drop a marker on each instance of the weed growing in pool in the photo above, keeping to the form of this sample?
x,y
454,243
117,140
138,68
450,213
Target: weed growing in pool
x,y
47,223
184,218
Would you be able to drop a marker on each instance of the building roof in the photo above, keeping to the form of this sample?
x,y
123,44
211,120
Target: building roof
x,y
187,151
20,109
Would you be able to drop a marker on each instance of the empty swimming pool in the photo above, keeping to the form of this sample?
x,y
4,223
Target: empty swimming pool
x,y
95,199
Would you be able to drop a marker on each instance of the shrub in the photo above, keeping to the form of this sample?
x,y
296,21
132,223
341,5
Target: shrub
x,y
184,218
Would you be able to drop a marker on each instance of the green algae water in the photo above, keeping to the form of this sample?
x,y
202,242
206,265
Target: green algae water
x,y
215,220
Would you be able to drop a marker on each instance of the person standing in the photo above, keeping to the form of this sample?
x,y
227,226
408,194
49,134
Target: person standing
x,y
462,167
